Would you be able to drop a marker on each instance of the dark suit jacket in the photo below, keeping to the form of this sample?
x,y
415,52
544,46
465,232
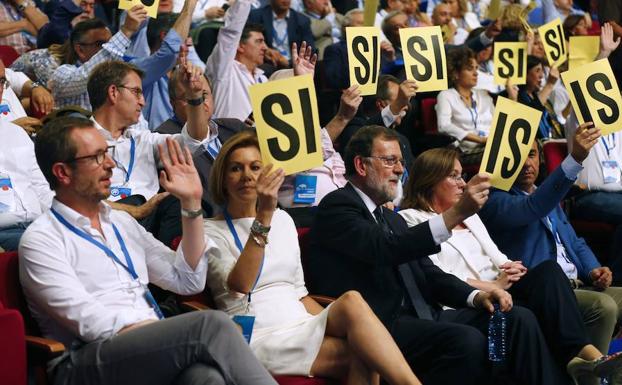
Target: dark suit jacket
x,y
298,26
517,223
203,161
350,251
336,66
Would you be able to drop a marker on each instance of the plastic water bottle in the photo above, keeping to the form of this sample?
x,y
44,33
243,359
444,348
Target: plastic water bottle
x,y
496,336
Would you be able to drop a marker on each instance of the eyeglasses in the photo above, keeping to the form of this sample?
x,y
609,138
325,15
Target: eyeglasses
x,y
137,91
4,83
99,156
458,177
97,43
388,161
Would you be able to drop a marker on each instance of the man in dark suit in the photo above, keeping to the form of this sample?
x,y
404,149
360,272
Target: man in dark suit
x,y
535,217
357,244
282,27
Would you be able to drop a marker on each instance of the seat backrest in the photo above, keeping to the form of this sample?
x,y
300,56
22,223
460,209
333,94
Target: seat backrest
x,y
13,369
11,294
8,55
554,153
428,115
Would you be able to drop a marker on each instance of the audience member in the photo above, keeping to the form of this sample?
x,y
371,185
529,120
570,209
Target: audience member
x,y
64,15
443,18
387,263
437,184
528,224
85,294
336,65
416,18
92,44
115,91
464,112
325,24
21,20
257,253
463,20
282,27
24,192
386,7
40,64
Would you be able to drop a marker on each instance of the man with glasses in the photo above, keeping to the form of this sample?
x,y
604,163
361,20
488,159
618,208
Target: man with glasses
x,y
64,15
91,42
357,244
85,268
115,91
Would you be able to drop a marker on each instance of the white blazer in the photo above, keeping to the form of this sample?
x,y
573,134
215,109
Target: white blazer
x,y
467,266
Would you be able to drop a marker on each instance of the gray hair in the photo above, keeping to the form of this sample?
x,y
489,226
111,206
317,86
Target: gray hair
x,y
386,26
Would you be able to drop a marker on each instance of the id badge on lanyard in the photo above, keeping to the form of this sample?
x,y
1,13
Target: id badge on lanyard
x,y
611,171
305,188
124,190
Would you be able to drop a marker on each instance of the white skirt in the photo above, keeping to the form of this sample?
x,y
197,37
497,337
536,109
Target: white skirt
x,y
290,349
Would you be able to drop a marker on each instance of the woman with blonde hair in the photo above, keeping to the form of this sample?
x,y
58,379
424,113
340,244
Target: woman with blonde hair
x,y
255,270
436,184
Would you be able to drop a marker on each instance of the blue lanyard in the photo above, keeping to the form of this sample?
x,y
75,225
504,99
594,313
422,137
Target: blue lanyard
x,y
475,117
238,243
130,166
613,142
129,267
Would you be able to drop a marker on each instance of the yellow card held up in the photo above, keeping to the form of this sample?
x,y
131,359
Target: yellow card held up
x,y
595,95
554,41
510,62
369,13
364,57
512,133
494,9
582,50
288,124
150,5
424,57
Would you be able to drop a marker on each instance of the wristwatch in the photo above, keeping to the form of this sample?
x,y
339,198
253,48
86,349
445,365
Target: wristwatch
x,y
196,102
191,213
21,7
34,85
259,229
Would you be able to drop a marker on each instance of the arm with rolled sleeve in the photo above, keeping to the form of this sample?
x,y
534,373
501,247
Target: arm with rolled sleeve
x,y
157,65
69,80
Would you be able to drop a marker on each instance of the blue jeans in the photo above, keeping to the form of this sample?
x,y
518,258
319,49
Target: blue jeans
x,y
10,236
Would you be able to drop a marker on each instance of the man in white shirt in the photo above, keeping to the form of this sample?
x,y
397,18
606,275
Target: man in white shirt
x,y
24,192
115,92
85,268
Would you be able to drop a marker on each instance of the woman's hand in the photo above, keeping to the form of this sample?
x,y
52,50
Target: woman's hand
x,y
503,281
268,185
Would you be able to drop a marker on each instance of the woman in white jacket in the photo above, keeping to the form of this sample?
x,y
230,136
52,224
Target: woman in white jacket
x,y
436,184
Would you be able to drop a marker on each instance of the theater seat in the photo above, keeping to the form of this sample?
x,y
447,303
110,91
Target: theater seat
x,y
8,55
555,151
428,116
39,350
12,348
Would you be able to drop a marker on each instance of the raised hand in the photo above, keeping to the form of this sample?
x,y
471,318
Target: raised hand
x,y
304,60
179,176
350,101
607,44
191,79
407,90
475,195
267,185
135,17
584,139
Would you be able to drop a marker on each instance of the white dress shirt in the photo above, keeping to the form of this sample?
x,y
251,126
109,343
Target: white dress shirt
x,y
75,290
10,98
457,120
230,78
31,194
144,175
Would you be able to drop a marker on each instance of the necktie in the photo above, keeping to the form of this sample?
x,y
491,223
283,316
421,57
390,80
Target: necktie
x,y
416,298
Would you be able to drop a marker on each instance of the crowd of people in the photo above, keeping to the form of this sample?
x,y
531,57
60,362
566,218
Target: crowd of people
x,y
132,174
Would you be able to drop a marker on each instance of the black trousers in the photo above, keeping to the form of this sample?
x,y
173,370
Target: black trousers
x,y
546,292
164,222
454,349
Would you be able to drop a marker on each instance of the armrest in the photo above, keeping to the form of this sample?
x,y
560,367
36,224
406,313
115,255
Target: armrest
x,y
323,300
43,345
193,306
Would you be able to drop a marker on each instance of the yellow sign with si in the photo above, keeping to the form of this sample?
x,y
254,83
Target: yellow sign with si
x,y
554,41
364,57
369,13
288,124
424,57
510,62
151,6
582,50
595,95
512,133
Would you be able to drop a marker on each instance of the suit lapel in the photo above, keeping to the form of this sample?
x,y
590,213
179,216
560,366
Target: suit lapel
x,y
360,202
267,25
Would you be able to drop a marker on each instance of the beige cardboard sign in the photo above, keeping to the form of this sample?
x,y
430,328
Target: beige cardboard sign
x,y
364,57
424,57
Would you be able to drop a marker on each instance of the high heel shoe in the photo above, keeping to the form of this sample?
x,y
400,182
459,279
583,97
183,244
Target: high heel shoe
x,y
600,367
